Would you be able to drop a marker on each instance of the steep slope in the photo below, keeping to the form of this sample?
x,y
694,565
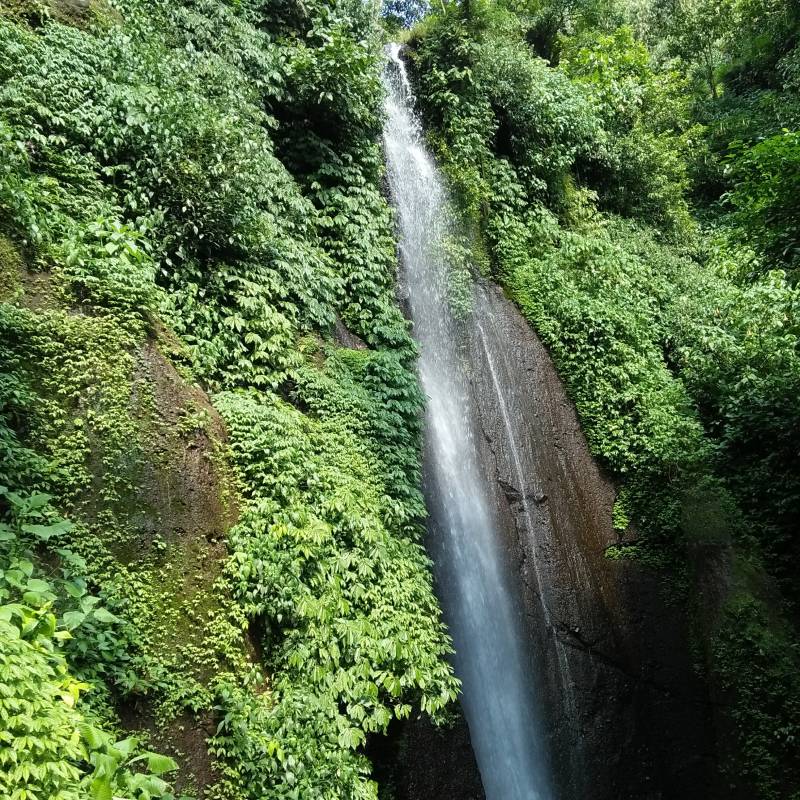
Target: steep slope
x,y
677,345
210,509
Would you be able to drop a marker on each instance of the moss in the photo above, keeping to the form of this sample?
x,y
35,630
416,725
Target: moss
x,y
11,266
134,457
82,368
180,509
77,13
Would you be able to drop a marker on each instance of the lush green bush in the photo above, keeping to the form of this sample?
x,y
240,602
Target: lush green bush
x,y
326,559
50,626
486,94
641,169
679,346
213,168
766,197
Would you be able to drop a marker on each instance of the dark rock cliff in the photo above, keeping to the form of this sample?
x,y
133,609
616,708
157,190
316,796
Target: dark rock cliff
x,y
627,714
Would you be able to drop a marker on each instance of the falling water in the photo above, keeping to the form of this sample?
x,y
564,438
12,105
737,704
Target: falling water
x,y
498,696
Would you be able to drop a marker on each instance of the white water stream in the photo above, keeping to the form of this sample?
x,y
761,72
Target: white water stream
x,y
498,690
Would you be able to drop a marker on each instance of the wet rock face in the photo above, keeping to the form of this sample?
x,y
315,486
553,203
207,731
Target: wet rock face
x,y
628,718
418,761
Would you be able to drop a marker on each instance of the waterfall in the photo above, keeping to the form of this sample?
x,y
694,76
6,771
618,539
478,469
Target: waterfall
x,y
499,695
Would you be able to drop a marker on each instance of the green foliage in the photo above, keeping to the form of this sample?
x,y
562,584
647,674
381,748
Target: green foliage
x,y
483,90
52,745
736,349
622,129
543,123
213,169
620,512
358,236
41,741
334,76
678,345
325,558
289,750
757,660
49,748
68,379
579,296
766,197
739,58
640,169
106,267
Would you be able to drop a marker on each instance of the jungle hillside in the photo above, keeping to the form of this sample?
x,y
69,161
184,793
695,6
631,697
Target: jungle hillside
x,y
215,572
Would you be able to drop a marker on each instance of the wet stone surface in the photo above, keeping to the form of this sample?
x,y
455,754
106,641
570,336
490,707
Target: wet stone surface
x,y
627,717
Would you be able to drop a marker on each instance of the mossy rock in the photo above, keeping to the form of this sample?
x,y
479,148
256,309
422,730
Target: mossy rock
x,y
78,13
11,267
135,451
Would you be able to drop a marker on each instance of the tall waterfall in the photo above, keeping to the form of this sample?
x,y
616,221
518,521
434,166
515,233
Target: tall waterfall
x,y
498,692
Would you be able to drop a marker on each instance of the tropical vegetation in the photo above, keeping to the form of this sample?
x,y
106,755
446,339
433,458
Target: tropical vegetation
x,y
212,577
629,172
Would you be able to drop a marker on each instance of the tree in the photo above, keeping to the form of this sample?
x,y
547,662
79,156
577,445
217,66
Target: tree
x,y
405,12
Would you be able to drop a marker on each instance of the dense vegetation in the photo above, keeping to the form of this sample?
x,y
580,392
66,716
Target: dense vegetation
x,y
210,511
629,172
189,197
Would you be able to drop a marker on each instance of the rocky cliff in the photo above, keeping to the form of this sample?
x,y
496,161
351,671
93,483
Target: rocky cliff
x,y
627,714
